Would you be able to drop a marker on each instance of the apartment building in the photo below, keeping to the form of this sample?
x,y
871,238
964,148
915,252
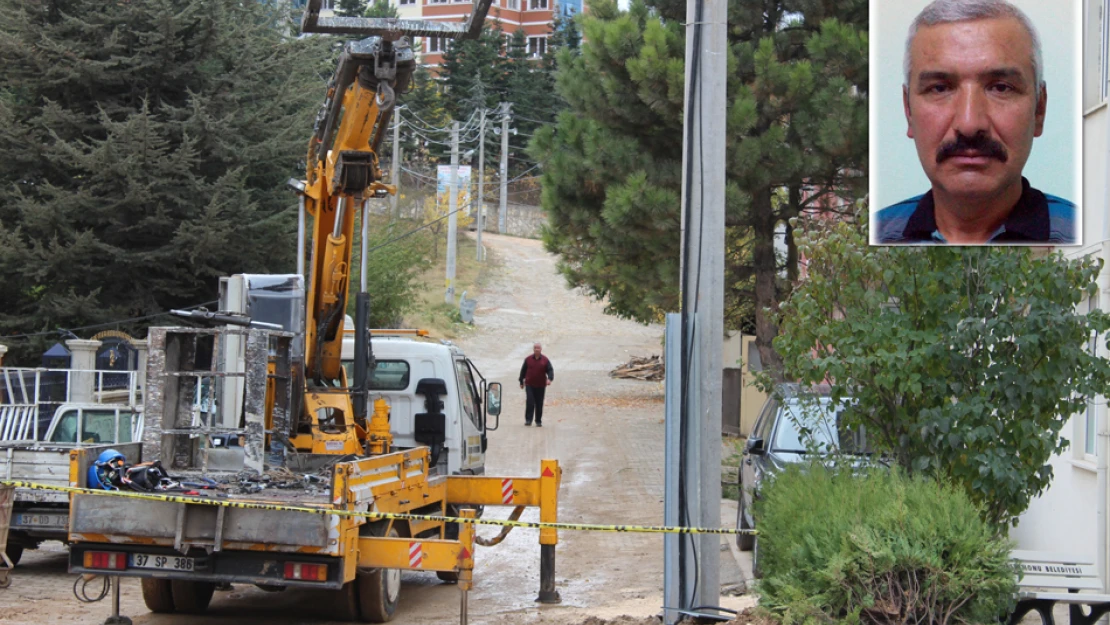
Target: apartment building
x,y
1071,516
534,16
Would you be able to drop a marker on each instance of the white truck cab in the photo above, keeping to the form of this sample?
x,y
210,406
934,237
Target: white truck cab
x,y
407,365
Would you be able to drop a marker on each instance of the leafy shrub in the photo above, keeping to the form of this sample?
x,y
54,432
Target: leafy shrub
x,y
838,545
393,277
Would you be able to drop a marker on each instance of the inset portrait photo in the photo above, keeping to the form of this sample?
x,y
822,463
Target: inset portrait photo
x,y
975,122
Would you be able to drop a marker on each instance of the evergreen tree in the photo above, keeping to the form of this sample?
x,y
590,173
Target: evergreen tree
x,y
796,129
423,107
144,149
470,63
350,8
381,8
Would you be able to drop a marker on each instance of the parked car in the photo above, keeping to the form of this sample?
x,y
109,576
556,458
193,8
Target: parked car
x,y
793,423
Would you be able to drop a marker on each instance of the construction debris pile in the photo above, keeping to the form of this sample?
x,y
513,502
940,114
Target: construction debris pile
x,y
111,472
650,368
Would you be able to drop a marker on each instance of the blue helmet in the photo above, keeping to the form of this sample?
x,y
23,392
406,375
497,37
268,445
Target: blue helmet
x,y
100,473
108,455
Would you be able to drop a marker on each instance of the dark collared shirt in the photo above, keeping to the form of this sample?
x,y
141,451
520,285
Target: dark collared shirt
x,y
1036,218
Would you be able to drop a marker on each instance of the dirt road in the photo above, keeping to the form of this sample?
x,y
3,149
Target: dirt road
x,y
607,434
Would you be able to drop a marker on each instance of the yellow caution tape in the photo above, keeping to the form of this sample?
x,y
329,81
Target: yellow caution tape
x,y
648,529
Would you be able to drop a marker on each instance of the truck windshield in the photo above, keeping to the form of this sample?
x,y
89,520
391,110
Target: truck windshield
x,y
100,427
66,430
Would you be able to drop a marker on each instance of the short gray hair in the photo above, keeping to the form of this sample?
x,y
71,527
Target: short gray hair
x,y
948,11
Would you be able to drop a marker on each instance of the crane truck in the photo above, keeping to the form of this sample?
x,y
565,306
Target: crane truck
x,y
306,473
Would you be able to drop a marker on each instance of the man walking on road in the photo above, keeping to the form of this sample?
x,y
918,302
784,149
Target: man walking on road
x,y
536,374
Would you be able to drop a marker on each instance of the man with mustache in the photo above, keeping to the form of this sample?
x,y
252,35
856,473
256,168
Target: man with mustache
x,y
975,97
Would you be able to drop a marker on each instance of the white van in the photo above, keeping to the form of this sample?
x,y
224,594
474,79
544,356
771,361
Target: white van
x,y
408,371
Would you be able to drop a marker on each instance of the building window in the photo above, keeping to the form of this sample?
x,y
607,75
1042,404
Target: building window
x,y
512,5
437,1
537,5
406,2
537,46
1089,425
435,45
1095,49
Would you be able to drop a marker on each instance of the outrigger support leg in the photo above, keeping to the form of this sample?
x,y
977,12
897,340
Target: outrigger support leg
x,y
116,619
548,594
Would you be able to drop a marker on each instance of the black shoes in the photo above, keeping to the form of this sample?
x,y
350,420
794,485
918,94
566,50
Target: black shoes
x,y
538,424
527,423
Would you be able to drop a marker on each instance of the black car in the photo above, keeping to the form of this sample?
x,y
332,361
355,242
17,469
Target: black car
x,y
793,423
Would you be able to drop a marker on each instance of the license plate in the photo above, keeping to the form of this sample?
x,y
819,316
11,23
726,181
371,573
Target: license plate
x,y
52,521
168,563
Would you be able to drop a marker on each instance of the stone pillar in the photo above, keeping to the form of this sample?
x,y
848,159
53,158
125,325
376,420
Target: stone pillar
x,y
143,348
82,379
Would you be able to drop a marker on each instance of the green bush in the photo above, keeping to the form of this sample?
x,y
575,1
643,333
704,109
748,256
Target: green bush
x,y
878,547
393,277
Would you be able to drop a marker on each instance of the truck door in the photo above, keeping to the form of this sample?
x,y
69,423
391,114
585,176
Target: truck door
x,y
473,459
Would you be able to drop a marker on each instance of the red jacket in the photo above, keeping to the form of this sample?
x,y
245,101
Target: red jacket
x,y
534,370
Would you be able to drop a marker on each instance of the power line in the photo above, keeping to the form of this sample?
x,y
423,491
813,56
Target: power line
x,y
107,324
418,228
534,121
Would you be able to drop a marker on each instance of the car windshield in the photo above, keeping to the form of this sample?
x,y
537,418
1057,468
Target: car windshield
x,y
814,422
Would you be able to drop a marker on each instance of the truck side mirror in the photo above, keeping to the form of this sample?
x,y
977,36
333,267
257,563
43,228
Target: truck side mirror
x,y
493,399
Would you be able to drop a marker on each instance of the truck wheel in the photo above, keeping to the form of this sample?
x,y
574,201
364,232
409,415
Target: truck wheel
x,y
346,602
192,597
14,553
157,595
378,591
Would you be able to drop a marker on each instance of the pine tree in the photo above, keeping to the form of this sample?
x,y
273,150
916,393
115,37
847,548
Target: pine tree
x,y
424,106
350,8
469,63
381,8
797,143
144,148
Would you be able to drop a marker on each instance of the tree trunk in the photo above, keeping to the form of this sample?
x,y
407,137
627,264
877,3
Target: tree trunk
x,y
766,296
791,246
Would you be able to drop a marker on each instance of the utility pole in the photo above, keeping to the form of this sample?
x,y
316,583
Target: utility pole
x,y
505,107
702,319
395,169
452,218
481,180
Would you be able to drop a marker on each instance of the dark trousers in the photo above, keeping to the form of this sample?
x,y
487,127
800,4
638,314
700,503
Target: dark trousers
x,y
534,403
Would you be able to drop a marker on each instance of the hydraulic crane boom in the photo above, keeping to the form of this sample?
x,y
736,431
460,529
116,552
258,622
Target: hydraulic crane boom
x,y
341,171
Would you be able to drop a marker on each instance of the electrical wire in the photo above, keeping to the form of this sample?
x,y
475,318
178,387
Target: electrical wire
x,y
107,324
534,121
418,228
83,595
689,299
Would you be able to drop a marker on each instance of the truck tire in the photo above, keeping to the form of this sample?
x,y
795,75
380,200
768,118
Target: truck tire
x,y
157,595
14,553
192,597
379,590
346,602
